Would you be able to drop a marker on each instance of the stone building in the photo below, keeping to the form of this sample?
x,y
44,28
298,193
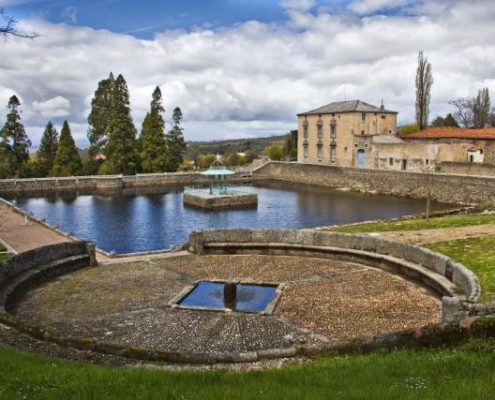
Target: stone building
x,y
420,151
342,133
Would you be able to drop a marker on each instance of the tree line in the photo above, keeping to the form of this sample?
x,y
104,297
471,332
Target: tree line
x,y
115,147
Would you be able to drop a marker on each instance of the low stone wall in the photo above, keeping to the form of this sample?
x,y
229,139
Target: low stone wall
x,y
461,189
442,274
31,268
478,169
221,202
105,182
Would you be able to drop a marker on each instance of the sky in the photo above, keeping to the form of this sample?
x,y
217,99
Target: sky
x,y
241,68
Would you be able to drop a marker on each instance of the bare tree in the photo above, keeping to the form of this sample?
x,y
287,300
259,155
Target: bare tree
x,y
8,27
424,81
474,112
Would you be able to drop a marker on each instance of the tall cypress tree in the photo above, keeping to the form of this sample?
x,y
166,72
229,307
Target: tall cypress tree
x,y
67,160
47,150
14,144
175,142
424,81
154,157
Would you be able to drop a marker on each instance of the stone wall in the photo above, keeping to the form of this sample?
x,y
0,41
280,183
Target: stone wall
x,y
445,188
479,169
442,274
24,271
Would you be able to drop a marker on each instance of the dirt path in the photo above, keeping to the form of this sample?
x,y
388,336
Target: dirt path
x,y
439,235
20,237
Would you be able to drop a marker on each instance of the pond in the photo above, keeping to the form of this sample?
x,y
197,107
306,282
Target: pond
x,y
138,221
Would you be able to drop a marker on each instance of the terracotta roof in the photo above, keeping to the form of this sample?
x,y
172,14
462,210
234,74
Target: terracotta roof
x,y
449,132
348,106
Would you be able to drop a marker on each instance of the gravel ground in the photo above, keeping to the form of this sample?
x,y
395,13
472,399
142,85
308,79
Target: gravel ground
x,y
323,300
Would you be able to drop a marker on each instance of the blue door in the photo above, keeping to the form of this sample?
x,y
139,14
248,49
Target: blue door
x,y
361,158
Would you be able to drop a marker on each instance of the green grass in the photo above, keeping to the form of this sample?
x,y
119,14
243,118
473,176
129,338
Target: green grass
x,y
451,221
478,254
453,374
4,256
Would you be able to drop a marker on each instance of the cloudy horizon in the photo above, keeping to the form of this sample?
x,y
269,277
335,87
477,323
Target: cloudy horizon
x,y
244,74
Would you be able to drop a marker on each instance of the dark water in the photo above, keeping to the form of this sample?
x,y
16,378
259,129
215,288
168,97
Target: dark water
x,y
249,297
137,221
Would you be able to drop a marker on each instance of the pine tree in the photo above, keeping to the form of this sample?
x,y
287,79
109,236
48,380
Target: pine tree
x,y
154,155
112,130
99,119
67,160
47,150
14,145
175,142
121,148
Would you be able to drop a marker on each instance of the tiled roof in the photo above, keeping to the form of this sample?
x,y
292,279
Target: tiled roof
x,y
348,106
449,132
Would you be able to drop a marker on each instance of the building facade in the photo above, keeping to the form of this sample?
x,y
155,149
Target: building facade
x,y
341,133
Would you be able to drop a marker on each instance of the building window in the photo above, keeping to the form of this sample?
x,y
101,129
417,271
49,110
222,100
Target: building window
x,y
403,165
390,161
427,162
319,127
305,151
320,152
363,117
333,131
362,132
333,154
383,116
305,129
345,150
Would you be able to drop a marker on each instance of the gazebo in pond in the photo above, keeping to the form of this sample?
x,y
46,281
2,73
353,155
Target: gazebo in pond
x,y
219,194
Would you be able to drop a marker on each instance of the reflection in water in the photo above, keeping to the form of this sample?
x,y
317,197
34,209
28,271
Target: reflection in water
x,y
133,221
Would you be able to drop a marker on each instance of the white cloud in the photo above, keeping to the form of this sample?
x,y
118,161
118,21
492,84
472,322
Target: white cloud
x,y
300,5
252,79
364,7
56,107
69,14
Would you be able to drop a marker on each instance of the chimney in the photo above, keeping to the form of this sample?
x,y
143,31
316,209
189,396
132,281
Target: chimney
x,y
382,107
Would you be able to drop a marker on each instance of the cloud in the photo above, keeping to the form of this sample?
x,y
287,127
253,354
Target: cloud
x,y
364,7
69,14
53,108
300,5
253,78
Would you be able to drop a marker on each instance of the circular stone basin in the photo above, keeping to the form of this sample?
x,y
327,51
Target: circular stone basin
x,y
323,300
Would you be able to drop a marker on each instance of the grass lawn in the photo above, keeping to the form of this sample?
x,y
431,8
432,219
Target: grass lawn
x,y
453,374
478,254
464,372
4,256
451,221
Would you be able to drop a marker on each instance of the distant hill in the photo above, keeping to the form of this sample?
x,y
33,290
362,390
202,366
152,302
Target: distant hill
x,y
256,145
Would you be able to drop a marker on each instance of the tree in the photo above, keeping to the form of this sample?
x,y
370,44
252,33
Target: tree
x,y
112,130
449,120
8,27
474,112
99,119
481,108
275,152
154,152
67,160
410,128
424,81
14,145
47,151
175,142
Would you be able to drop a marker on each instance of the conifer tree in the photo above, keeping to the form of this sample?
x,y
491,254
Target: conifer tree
x,y
121,148
47,150
14,143
99,119
175,142
154,157
67,160
112,130
424,81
